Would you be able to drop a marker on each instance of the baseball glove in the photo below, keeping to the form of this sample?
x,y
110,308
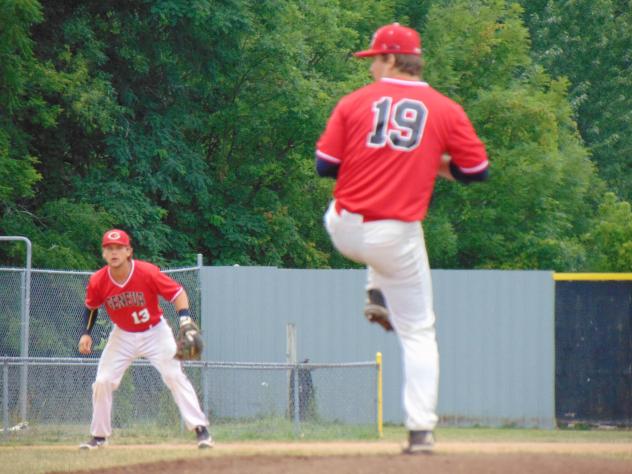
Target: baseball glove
x,y
189,343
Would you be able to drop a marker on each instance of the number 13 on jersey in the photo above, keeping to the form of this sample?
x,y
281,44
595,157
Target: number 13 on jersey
x,y
405,128
141,316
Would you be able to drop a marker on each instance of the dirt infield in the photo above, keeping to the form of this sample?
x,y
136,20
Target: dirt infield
x,y
384,458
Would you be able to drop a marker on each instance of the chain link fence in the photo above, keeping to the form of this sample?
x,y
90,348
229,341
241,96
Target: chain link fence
x,y
56,307
50,391
242,400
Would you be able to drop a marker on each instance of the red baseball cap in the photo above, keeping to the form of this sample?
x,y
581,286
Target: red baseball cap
x,y
393,39
117,237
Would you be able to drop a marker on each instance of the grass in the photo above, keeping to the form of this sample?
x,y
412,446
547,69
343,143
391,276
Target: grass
x,y
280,429
517,435
268,429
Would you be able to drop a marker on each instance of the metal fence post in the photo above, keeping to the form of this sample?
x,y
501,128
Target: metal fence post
x,y
205,400
205,388
292,358
24,321
297,422
5,396
198,289
24,351
380,401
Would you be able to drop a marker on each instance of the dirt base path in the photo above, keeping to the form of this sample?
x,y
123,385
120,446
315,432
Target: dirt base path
x,y
385,458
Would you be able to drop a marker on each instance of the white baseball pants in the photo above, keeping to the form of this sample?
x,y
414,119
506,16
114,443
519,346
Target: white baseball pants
x,y
395,254
157,345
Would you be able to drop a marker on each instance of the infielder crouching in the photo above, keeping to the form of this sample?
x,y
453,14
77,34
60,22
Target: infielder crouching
x,y
129,289
385,144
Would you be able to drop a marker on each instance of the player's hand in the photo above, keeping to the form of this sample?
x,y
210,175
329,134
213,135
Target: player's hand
x,y
444,167
85,344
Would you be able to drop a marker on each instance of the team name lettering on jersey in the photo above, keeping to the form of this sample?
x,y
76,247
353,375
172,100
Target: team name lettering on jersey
x,y
128,298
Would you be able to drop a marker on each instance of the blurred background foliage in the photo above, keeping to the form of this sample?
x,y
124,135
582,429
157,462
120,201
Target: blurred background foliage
x,y
192,124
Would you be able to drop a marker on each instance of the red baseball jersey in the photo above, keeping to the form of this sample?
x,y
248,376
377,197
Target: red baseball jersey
x,y
388,138
132,305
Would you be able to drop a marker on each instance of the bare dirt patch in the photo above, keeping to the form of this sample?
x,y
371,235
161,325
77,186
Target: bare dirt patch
x,y
385,458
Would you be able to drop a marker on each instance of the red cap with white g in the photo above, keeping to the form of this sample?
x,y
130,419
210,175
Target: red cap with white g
x,y
115,237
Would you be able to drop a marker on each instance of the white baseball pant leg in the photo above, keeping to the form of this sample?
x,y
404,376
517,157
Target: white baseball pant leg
x,y
395,253
161,357
158,346
117,355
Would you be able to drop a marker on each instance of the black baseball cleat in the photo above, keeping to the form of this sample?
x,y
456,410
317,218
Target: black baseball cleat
x,y
95,442
375,309
419,442
204,439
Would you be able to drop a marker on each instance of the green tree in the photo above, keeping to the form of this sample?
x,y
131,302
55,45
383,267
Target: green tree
x,y
293,66
17,66
610,236
543,185
30,143
192,125
588,41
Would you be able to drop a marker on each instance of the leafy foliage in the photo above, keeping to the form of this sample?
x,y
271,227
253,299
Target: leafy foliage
x,y
17,165
192,123
611,235
536,203
588,41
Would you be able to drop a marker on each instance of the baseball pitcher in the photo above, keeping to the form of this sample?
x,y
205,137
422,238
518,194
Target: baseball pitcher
x,y
385,144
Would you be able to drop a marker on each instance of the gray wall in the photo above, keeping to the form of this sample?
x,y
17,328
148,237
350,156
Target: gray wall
x,y
496,343
494,328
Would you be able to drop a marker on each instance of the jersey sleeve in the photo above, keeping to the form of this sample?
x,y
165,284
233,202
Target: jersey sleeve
x,y
93,298
166,286
330,146
464,146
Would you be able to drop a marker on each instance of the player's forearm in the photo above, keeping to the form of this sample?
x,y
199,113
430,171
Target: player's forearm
x,y
467,178
326,169
450,171
181,302
89,318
